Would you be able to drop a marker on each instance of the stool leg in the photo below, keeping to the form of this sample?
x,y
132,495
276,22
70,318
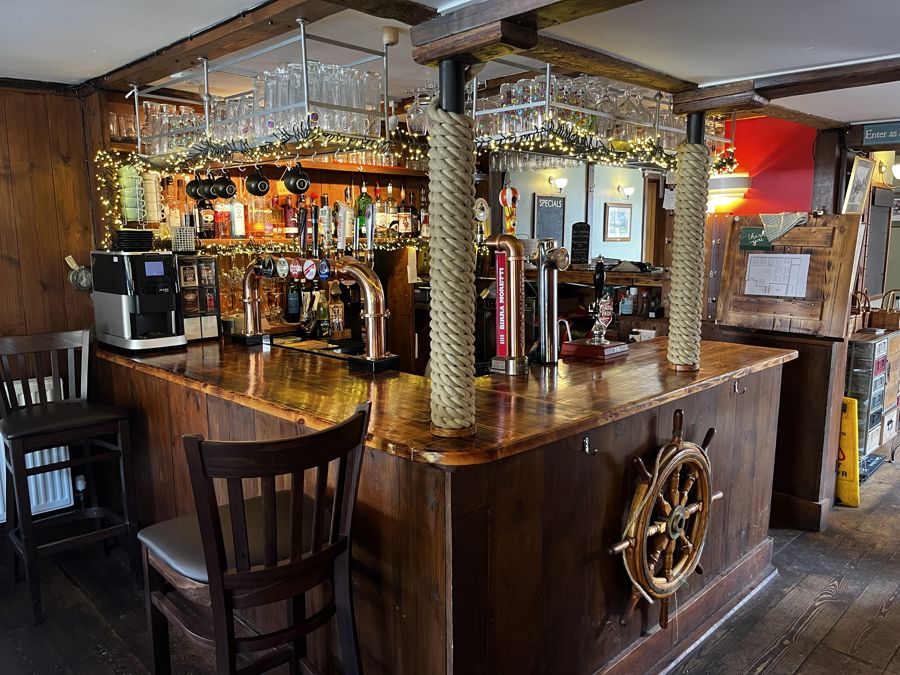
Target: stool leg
x,y
12,559
157,623
92,492
346,617
26,531
130,512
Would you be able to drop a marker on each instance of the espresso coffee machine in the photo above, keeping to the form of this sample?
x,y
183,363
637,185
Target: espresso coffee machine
x,y
135,300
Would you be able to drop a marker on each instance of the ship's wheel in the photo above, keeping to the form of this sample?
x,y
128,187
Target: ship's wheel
x,y
667,522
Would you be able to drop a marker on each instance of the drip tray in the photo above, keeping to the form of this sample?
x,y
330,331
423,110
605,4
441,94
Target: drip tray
x,y
349,351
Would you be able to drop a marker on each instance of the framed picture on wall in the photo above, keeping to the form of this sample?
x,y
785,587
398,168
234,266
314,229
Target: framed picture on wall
x,y
858,187
617,222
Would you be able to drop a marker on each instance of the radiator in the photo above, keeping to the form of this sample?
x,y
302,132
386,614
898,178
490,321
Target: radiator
x,y
48,491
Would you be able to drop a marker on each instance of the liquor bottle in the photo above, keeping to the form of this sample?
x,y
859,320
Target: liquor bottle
x,y
404,216
289,215
391,211
206,219
424,224
174,208
293,301
348,225
327,225
275,224
413,214
363,201
258,217
381,221
322,318
222,218
238,218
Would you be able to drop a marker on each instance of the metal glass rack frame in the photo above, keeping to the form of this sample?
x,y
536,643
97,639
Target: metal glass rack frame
x,y
548,104
230,66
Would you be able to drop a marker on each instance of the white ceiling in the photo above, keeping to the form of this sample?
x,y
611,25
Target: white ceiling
x,y
711,41
706,41
71,41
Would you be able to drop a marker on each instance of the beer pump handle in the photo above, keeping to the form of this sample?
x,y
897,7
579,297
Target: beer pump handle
x,y
599,280
314,217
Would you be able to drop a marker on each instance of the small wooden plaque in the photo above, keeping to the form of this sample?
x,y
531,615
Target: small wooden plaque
x,y
584,349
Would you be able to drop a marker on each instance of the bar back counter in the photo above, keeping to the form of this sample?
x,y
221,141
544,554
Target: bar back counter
x,y
489,554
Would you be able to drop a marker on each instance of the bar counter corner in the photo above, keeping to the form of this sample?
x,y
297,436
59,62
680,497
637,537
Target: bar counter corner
x,y
487,554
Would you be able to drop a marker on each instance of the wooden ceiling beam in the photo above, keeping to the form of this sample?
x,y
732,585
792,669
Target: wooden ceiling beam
x,y
483,43
532,14
829,79
781,113
582,59
249,28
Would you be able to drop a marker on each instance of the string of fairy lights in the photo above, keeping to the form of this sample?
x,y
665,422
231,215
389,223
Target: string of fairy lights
x,y
554,137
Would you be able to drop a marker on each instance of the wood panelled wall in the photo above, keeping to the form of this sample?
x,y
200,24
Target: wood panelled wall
x,y
45,212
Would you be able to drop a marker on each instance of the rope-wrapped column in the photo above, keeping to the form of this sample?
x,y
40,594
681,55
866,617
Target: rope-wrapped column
x,y
686,300
451,176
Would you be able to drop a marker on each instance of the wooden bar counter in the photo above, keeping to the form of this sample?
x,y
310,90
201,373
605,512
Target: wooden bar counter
x,y
488,554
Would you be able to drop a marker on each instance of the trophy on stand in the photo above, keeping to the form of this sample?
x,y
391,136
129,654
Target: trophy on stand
x,y
597,346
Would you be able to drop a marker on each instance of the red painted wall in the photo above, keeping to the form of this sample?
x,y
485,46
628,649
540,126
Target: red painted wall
x,y
778,155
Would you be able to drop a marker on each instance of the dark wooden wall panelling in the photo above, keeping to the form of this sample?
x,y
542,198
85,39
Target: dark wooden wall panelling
x,y
45,212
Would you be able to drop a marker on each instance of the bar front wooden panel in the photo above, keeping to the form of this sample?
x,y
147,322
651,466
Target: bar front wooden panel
x,y
45,212
486,559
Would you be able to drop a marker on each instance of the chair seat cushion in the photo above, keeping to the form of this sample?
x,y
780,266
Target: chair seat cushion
x,y
177,542
56,416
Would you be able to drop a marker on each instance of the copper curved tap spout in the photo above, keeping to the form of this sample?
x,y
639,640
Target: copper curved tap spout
x,y
372,294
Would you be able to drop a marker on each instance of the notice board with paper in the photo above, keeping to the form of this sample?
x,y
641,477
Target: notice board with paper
x,y
801,285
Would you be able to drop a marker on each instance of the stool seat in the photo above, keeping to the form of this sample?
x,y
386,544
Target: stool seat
x,y
56,416
178,544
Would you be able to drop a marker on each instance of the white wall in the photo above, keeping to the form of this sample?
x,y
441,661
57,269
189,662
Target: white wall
x,y
529,183
606,179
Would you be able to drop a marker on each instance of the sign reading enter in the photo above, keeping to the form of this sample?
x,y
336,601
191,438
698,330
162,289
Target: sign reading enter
x,y
881,134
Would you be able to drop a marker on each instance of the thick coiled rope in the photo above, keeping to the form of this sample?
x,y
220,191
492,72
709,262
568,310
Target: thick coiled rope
x,y
451,185
686,302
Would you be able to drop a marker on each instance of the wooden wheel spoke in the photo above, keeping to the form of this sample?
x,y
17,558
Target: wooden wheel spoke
x,y
688,484
663,505
669,560
686,543
691,509
674,484
658,546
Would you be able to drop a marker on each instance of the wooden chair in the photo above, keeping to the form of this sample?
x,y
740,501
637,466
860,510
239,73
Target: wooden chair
x,y
43,404
275,547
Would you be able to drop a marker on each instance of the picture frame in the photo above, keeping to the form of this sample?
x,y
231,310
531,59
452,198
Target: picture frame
x,y
188,275
617,222
857,193
895,210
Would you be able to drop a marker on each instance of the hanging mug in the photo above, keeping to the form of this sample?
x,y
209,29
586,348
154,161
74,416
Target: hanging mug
x,y
257,184
296,181
193,186
204,189
223,187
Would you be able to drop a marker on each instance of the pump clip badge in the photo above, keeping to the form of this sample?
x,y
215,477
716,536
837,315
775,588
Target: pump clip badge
x,y
324,270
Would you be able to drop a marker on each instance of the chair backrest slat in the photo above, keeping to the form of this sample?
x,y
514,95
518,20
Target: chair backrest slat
x,y
238,524
319,508
70,358
296,515
259,570
54,374
270,521
8,394
23,380
37,364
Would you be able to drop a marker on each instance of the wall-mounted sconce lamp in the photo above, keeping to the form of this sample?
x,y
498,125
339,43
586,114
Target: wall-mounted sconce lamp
x,y
727,188
559,183
625,190
896,170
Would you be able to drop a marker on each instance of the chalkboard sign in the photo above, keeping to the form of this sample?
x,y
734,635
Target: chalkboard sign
x,y
549,217
581,244
754,238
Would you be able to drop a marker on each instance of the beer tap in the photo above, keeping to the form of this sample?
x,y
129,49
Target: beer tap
x,y
261,267
549,258
598,336
314,217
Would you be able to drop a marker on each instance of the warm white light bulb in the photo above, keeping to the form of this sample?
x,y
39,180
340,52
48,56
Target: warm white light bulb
x,y
896,170
561,183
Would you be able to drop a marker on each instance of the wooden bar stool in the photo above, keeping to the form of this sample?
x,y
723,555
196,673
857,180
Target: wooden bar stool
x,y
261,550
43,403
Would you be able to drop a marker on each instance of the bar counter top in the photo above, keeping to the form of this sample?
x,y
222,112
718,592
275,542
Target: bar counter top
x,y
515,414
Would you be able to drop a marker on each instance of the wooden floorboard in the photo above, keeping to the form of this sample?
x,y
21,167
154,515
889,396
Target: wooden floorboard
x,y
833,608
